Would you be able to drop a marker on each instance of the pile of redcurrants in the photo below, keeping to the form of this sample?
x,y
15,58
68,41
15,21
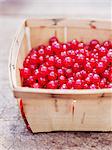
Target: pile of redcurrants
x,y
70,65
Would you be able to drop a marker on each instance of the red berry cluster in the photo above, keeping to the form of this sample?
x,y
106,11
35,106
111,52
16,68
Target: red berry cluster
x,y
71,65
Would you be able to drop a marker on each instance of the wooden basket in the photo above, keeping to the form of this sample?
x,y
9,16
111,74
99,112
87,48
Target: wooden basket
x,y
60,110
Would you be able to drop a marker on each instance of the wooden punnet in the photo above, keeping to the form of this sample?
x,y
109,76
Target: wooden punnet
x,y
60,110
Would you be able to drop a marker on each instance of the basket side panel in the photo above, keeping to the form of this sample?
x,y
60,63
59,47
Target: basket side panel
x,y
41,35
58,114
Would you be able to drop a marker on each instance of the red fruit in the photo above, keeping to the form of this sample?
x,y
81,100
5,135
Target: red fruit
x,y
85,86
43,70
71,53
52,40
56,47
64,47
102,51
78,75
36,85
96,78
105,74
49,50
93,86
63,86
63,54
25,73
93,43
26,63
68,72
33,59
52,75
73,44
109,55
52,85
41,52
31,80
80,58
40,60
110,85
32,67
36,74
58,63
102,83
70,84
88,67
88,80
78,84
110,77
62,79
51,68
50,60
42,81
67,62
93,62
100,67
105,60
83,74
76,67
81,45
107,44
60,72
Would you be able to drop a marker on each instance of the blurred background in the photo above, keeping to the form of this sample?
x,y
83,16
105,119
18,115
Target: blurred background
x,y
77,8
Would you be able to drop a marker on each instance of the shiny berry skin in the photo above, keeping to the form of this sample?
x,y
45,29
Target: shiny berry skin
x,y
60,72
76,67
107,44
109,55
88,80
51,68
71,53
52,40
36,85
88,67
100,67
67,62
68,72
64,47
81,45
25,73
73,44
50,60
93,43
78,84
110,77
48,50
83,74
62,79
41,52
52,85
78,75
110,85
33,59
102,51
52,75
26,63
93,62
70,84
105,74
56,47
63,86
96,78
36,74
105,60
40,60
80,58
31,80
43,70
85,86
58,63
93,86
102,83
42,81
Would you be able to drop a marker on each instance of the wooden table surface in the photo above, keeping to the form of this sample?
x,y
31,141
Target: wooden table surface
x,y
13,133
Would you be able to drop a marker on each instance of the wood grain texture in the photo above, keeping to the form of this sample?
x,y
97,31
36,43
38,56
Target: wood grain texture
x,y
63,110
